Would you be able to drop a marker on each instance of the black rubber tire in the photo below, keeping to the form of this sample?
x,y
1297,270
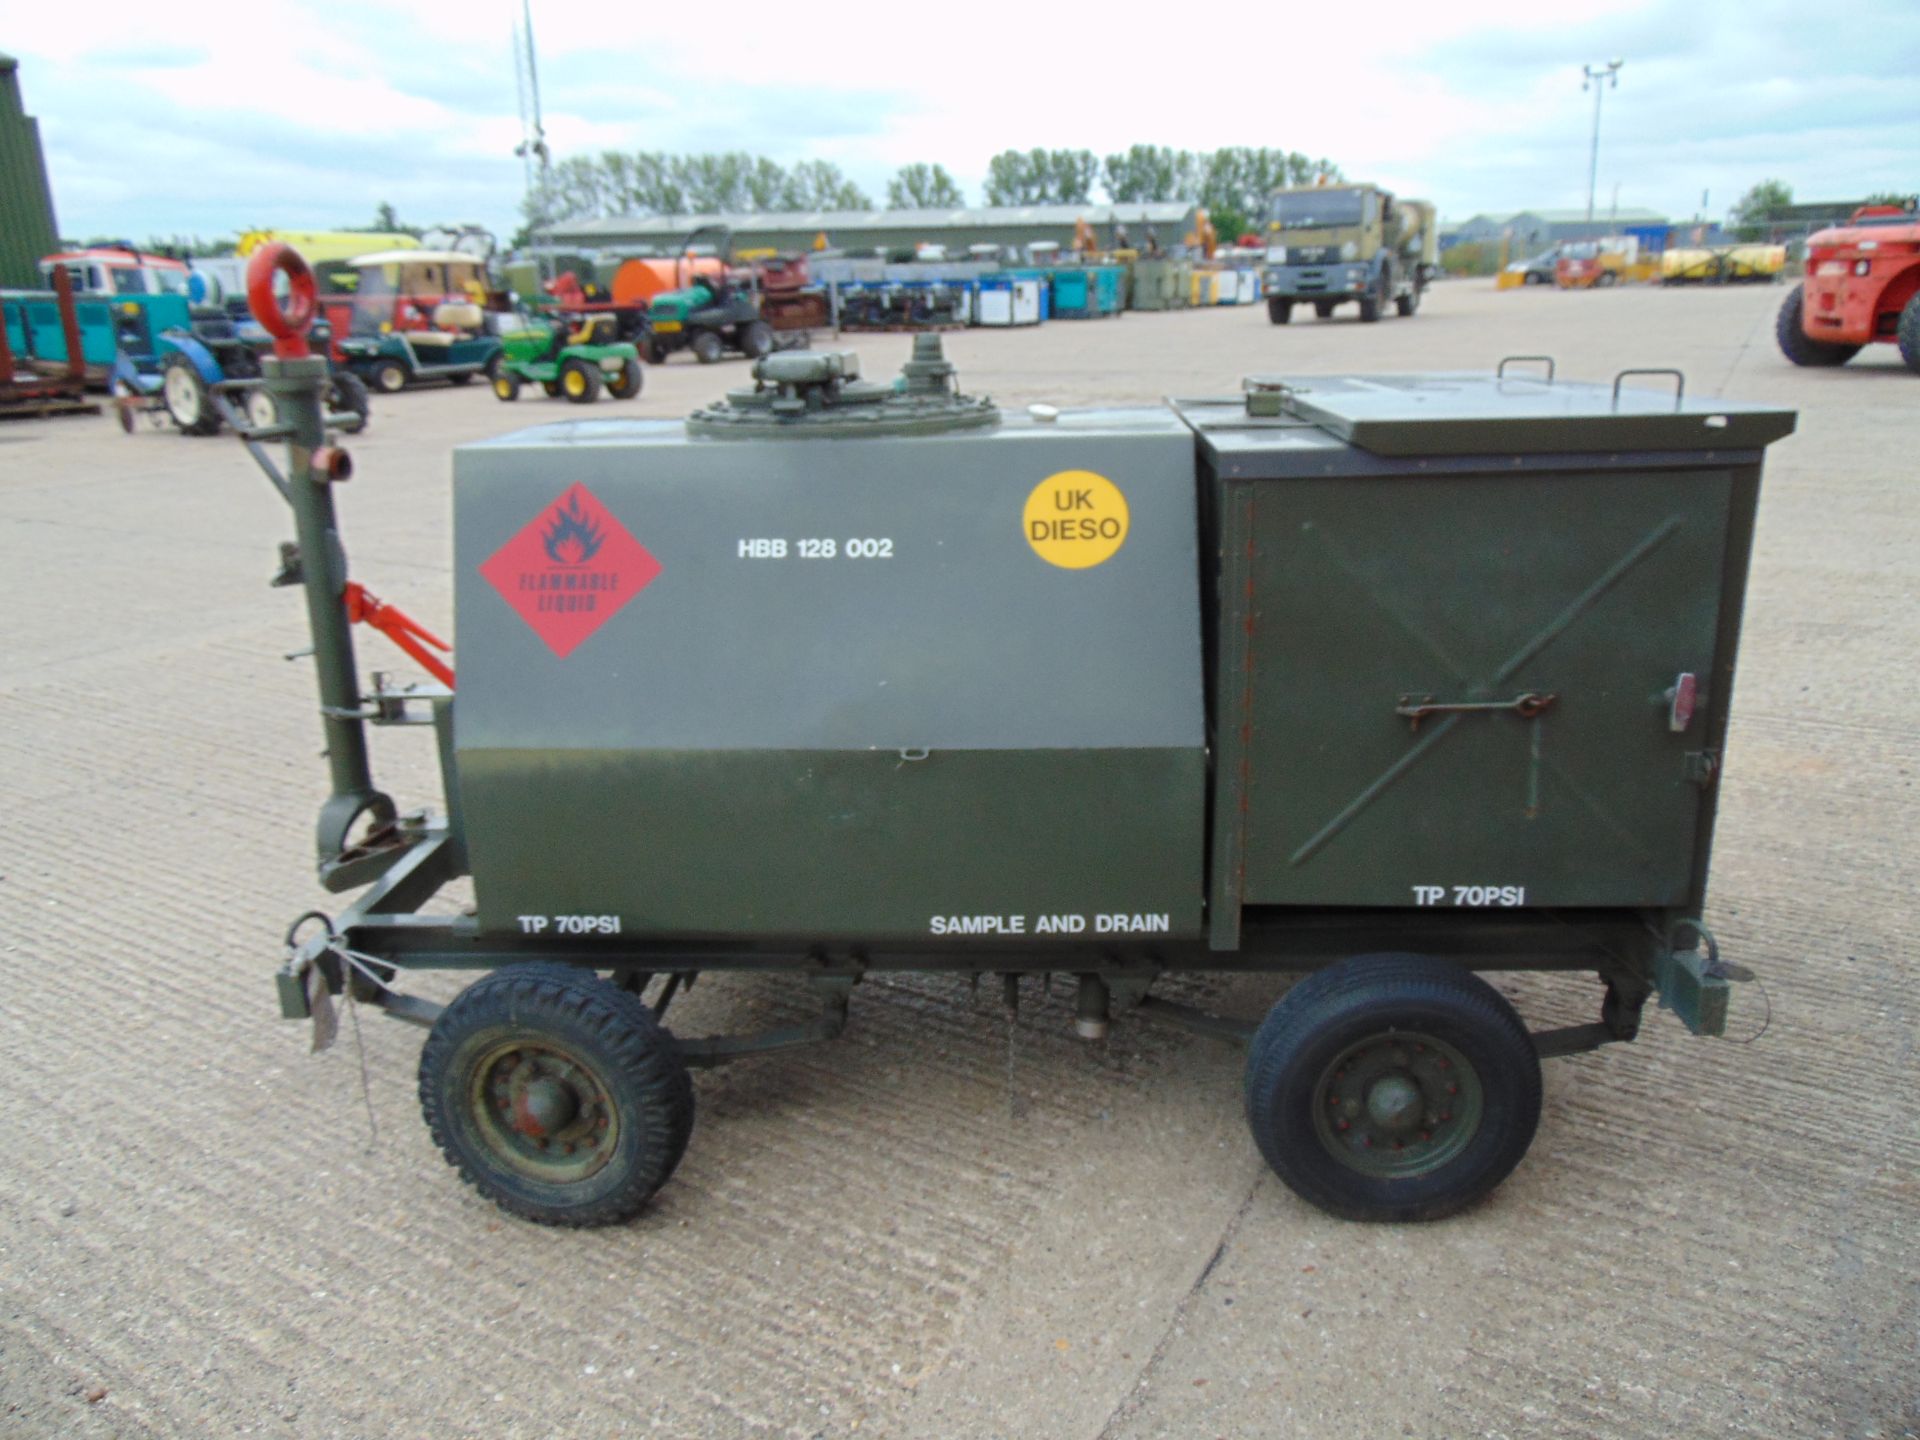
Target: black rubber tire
x,y
1605,279
1408,303
1789,331
1533,277
632,378
589,390
756,339
552,388
656,353
707,347
1908,334
390,377
614,1034
461,377
1279,312
177,371
1374,305
1330,1011
506,386
1323,309
347,395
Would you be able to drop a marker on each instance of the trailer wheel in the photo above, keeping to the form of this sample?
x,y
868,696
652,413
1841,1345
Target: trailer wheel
x,y
1392,1087
1279,312
188,400
579,381
1908,335
627,384
707,347
1789,329
390,376
556,1095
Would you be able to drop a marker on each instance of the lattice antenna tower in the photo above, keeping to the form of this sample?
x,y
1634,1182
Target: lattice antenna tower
x,y
532,148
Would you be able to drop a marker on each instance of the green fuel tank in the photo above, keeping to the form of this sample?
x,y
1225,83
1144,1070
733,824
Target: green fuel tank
x,y
835,658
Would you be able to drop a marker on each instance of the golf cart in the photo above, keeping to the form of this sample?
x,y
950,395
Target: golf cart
x,y
416,315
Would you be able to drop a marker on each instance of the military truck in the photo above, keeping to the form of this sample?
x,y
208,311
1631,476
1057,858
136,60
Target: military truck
x,y
1328,245
1387,679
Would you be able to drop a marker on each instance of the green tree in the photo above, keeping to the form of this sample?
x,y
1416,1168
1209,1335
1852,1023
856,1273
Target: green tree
x,y
1236,181
923,187
1041,177
819,185
1753,211
1150,173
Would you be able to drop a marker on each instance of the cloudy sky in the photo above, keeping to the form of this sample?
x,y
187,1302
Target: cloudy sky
x,y
211,118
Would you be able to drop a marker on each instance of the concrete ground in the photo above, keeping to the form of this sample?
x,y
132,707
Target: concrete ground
x,y
934,1227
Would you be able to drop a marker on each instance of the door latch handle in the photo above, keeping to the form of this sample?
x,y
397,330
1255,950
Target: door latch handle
x,y
1418,707
1681,698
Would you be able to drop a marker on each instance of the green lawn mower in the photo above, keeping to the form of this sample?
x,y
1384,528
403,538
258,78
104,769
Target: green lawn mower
x,y
576,366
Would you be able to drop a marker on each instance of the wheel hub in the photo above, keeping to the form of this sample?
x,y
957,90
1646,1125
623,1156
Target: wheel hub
x,y
543,1112
544,1107
1397,1105
1394,1102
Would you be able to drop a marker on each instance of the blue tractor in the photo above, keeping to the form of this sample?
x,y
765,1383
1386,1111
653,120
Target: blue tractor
x,y
200,366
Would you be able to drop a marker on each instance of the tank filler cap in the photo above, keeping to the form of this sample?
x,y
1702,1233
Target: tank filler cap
x,y
820,393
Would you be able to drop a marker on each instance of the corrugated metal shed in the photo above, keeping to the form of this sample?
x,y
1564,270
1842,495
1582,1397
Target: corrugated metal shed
x,y
26,203
883,229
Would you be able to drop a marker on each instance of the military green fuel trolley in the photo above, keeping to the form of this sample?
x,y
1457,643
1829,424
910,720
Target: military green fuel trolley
x,y
1389,680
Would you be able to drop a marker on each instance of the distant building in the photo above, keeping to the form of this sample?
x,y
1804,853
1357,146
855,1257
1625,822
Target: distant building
x,y
1532,231
27,230
956,229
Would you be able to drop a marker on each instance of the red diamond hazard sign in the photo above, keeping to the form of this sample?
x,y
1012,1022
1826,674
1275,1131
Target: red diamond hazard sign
x,y
570,570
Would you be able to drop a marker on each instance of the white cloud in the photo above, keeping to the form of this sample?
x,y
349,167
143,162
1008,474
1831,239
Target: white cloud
x,y
183,118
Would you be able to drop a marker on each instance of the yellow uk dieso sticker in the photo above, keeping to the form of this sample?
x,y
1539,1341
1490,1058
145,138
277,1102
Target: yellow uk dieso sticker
x,y
1076,519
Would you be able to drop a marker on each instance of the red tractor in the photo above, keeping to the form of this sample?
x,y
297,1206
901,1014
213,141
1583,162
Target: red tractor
x,y
1862,285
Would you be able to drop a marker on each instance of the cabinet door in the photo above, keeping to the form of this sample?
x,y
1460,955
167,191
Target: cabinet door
x,y
1460,689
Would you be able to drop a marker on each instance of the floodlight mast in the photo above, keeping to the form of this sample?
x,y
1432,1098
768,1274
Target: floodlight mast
x,y
1597,78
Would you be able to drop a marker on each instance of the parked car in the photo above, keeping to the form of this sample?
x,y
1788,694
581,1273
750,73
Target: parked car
x,y
1538,270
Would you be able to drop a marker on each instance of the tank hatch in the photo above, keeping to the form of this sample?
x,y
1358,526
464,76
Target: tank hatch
x,y
820,393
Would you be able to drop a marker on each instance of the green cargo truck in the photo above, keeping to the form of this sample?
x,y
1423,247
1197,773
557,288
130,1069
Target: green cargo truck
x,y
1328,245
1386,679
